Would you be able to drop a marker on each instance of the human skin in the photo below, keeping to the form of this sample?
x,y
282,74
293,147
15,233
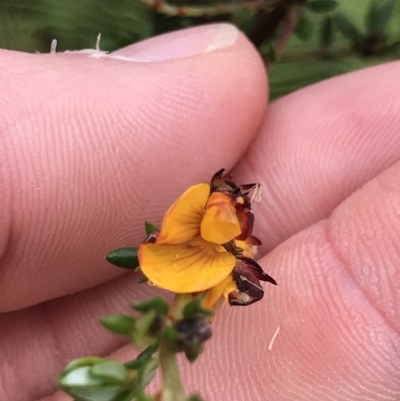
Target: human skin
x,y
91,148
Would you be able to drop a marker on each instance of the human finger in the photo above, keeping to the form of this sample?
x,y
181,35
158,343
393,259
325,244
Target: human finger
x,y
94,146
318,145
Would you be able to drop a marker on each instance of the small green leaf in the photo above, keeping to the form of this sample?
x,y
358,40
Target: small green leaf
x,y
134,364
271,52
121,324
81,384
140,334
127,396
195,307
347,27
322,6
143,357
150,228
110,371
379,15
170,337
370,17
193,353
148,352
154,304
304,28
195,397
392,47
143,397
87,361
326,35
147,372
127,258
143,279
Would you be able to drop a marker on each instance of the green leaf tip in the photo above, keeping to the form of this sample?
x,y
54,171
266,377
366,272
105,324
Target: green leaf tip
x,y
326,34
110,371
322,6
347,28
304,29
150,228
142,334
120,324
94,379
195,397
195,307
157,304
379,15
126,258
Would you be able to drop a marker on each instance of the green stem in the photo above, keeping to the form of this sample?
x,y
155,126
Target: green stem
x,y
172,386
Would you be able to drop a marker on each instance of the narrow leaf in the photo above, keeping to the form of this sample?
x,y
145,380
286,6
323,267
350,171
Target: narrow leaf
x,y
326,35
370,17
347,27
120,324
322,6
82,385
304,28
150,228
147,372
157,304
110,371
148,352
140,335
393,47
379,16
195,307
127,258
86,361
195,397
143,357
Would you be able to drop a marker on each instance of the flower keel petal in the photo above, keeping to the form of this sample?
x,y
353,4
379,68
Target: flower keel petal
x,y
220,223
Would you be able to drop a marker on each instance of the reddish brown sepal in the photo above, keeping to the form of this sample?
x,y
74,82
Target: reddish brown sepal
x,y
247,275
257,270
246,221
252,240
151,238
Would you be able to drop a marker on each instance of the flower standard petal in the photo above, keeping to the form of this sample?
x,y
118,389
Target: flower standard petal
x,y
194,266
182,221
220,223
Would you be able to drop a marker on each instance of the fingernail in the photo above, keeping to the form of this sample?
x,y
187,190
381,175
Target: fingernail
x,y
183,43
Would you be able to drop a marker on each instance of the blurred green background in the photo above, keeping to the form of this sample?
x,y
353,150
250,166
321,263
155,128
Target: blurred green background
x,y
301,41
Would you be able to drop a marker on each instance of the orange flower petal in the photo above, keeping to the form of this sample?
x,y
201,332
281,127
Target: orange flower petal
x,y
194,266
182,221
222,289
220,223
249,251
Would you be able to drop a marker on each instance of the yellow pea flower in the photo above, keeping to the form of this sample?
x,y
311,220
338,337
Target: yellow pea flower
x,y
181,260
205,245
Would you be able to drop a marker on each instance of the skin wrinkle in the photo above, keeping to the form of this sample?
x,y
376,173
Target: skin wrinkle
x,y
284,308
343,263
330,141
373,220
